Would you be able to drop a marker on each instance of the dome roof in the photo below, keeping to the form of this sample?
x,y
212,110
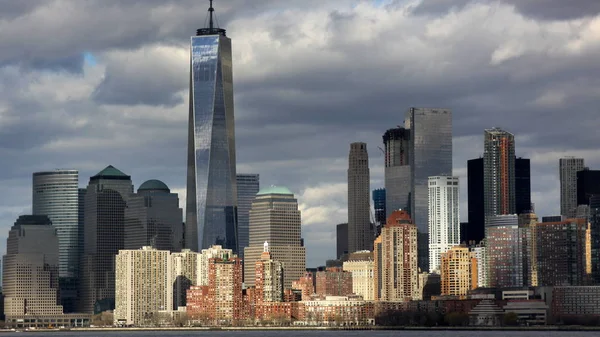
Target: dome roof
x,y
154,185
274,190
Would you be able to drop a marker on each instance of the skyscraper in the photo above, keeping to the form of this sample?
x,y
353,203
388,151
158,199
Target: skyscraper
x,y
275,218
523,186
444,218
153,218
104,231
55,194
568,168
504,251
499,172
247,187
397,170
211,180
30,270
341,238
360,231
476,227
430,154
379,206
588,185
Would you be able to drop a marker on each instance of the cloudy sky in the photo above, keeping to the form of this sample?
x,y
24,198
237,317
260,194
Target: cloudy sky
x,y
88,83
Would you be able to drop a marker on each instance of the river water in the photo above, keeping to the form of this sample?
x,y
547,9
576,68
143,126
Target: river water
x,y
316,333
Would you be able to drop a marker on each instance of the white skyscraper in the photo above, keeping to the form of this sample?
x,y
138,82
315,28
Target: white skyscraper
x,y
480,254
444,218
568,168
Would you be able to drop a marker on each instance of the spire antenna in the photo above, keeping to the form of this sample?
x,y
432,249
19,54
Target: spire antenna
x,y
211,29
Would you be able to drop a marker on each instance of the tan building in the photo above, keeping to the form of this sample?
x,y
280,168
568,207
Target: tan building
x,y
458,271
399,272
143,285
275,218
377,268
363,277
30,270
528,223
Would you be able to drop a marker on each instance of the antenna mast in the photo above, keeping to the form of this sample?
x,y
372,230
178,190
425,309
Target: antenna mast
x,y
211,29
210,13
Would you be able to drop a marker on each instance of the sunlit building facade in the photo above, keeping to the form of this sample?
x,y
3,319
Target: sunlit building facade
x,y
211,180
444,218
458,271
499,172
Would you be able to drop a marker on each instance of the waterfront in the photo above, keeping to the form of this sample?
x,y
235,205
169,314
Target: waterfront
x,y
315,333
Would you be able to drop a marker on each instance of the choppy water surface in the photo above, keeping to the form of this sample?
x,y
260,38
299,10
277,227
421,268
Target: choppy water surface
x,y
316,333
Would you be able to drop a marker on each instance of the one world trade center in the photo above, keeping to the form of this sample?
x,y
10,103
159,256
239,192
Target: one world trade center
x,y
211,206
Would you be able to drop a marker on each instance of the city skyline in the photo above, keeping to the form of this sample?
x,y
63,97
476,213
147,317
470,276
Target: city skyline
x,y
111,109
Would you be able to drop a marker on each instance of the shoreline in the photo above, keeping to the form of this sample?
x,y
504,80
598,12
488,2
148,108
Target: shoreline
x,y
316,328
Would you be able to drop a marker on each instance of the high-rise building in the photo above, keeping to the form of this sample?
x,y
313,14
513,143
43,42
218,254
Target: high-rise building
x,y
479,253
379,205
594,221
104,231
588,185
527,224
341,236
568,168
430,154
247,187
523,186
143,285
378,267
211,180
561,252
275,218
476,227
363,279
221,300
397,170
504,251
499,172
444,218
153,218
30,269
399,273
334,281
268,278
55,195
458,271
360,229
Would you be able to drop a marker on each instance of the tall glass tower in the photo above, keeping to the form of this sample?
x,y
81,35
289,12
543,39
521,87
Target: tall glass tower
x,y
247,187
211,180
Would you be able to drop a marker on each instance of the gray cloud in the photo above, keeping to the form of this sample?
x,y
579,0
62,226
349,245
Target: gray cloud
x,y
310,77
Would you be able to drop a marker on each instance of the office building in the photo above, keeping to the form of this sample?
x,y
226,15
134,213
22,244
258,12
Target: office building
x,y
397,170
30,270
594,221
55,195
458,271
561,252
211,206
360,229
334,281
444,218
398,279
363,278
523,186
527,224
247,187
275,218
475,231
104,231
153,218
268,278
143,284
588,185
504,251
379,206
341,239
499,172
568,168
553,218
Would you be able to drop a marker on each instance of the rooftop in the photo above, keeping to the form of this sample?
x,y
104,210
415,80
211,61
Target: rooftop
x,y
111,172
274,190
154,185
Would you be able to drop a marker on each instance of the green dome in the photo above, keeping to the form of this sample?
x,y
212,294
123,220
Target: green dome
x,y
274,190
154,185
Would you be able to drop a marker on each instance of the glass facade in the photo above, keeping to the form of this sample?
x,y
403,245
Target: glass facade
x,y
379,206
55,194
211,183
499,172
430,155
397,170
247,187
